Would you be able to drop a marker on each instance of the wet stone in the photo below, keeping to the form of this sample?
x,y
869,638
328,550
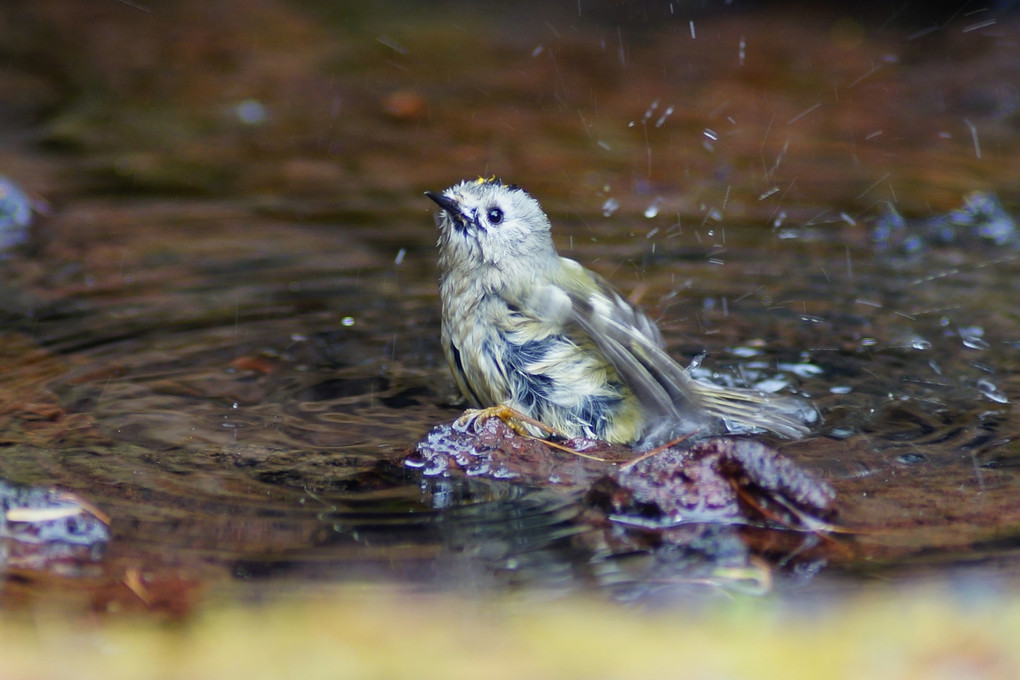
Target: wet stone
x,y
726,480
491,449
715,480
41,527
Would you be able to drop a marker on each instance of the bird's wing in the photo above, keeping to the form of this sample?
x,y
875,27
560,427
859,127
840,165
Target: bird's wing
x,y
632,343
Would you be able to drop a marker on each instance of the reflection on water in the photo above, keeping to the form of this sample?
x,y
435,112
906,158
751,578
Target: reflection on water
x,y
227,336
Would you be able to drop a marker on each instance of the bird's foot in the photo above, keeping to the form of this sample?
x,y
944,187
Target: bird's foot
x,y
513,419
517,422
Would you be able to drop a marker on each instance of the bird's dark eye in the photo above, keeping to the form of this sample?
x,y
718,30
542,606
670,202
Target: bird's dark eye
x,y
495,216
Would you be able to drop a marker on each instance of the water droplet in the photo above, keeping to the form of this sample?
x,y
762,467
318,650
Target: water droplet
x,y
971,336
665,114
503,472
251,112
841,389
653,210
840,432
610,206
770,385
990,390
651,110
803,369
480,467
347,321
435,466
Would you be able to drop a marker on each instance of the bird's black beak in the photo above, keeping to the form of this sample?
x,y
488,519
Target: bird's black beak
x,y
448,204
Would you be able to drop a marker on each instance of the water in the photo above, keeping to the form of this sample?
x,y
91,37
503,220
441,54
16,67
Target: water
x,y
225,334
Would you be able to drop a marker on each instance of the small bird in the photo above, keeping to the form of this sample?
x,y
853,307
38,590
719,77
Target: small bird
x,y
527,329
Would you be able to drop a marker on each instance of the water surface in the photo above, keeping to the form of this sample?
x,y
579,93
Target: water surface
x,y
224,333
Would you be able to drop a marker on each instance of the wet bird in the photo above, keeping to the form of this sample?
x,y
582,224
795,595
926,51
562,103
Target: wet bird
x,y
528,330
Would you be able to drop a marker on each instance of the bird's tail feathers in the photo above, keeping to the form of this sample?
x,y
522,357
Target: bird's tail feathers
x,y
746,410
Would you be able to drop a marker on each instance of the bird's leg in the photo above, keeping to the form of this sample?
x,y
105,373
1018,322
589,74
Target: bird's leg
x,y
513,418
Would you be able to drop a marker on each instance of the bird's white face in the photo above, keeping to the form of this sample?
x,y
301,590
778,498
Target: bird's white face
x,y
486,224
